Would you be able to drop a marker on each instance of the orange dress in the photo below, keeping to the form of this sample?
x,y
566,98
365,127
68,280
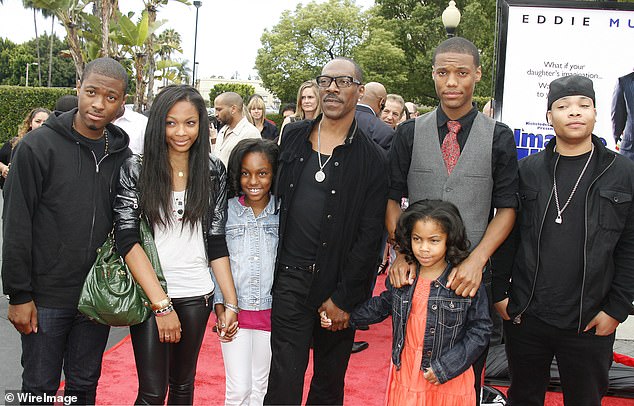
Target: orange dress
x,y
407,386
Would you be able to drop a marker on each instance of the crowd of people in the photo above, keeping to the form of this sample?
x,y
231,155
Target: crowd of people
x,y
281,234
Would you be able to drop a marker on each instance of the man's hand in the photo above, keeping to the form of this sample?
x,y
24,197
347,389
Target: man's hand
x,y
339,318
604,323
501,308
401,273
23,317
465,278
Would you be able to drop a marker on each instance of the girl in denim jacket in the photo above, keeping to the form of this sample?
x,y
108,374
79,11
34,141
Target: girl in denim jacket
x,y
436,334
252,237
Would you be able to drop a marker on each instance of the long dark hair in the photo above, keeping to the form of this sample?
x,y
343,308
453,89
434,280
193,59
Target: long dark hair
x,y
449,219
267,147
155,180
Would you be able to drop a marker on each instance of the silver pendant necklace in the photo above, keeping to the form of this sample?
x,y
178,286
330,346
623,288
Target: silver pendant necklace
x,y
320,176
560,211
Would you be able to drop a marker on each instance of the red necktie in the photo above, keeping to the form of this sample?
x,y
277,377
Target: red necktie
x,y
450,148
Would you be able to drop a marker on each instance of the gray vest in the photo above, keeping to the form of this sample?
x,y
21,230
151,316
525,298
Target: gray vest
x,y
470,184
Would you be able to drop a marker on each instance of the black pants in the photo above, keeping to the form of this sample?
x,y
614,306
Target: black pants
x,y
293,325
161,364
583,361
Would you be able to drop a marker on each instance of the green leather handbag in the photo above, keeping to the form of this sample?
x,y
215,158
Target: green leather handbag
x,y
110,294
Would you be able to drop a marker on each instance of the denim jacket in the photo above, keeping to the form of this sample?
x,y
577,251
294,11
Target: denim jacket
x,y
456,332
252,244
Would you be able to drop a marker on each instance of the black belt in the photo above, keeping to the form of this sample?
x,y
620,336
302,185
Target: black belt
x,y
310,268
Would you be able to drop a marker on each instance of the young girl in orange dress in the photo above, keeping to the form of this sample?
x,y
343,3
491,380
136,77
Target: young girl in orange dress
x,y
436,334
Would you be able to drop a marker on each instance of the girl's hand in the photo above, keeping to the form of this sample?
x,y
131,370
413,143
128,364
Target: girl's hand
x,y
226,325
221,325
325,321
430,376
231,320
169,328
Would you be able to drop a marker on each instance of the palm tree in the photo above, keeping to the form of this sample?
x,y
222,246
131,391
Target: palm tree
x,y
70,13
30,4
151,7
168,42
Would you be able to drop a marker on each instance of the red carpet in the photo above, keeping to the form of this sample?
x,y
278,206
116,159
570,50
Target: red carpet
x,y
365,381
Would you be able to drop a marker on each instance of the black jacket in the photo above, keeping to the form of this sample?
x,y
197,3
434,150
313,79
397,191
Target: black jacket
x,y
608,274
57,211
127,211
374,127
353,217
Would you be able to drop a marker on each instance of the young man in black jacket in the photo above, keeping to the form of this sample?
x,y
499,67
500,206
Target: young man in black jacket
x,y
57,212
572,281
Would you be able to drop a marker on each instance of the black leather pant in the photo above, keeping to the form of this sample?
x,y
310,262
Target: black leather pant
x,y
159,365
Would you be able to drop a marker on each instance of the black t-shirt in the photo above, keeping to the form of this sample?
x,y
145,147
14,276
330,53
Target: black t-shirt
x,y
560,273
98,147
305,215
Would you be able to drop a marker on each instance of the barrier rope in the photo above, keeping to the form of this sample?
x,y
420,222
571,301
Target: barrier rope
x,y
624,359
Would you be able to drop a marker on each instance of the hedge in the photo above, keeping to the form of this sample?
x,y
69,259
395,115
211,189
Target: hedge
x,y
17,101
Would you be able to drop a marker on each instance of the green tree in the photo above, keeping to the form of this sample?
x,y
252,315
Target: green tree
x,y
304,40
70,13
418,29
151,7
29,4
14,57
244,90
381,60
132,36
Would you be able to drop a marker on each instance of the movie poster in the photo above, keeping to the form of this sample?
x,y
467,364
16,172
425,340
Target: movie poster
x,y
539,42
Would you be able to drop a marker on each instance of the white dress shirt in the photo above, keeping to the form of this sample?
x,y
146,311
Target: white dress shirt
x,y
228,138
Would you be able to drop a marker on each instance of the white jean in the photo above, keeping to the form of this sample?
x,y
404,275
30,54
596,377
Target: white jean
x,y
247,363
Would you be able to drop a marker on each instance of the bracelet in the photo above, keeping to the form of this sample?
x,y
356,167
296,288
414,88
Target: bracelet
x,y
162,304
232,307
164,311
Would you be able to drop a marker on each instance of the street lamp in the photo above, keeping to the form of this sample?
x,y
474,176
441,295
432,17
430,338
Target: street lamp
x,y
197,4
451,18
196,65
27,72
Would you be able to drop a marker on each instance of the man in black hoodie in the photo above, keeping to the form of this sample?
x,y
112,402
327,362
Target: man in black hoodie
x,y
57,212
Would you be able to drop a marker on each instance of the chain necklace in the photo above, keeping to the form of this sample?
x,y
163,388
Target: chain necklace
x,y
105,135
560,211
320,176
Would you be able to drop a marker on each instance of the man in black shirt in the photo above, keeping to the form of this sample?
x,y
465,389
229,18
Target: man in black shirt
x,y
573,274
482,178
332,183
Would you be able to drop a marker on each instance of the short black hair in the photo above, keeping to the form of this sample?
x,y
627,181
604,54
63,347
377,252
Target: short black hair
x,y
66,103
107,67
358,72
444,213
287,107
458,45
234,168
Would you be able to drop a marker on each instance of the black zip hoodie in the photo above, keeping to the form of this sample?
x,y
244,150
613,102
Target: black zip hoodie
x,y
57,211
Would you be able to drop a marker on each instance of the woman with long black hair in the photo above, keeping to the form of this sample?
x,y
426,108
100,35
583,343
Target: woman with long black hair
x,y
180,190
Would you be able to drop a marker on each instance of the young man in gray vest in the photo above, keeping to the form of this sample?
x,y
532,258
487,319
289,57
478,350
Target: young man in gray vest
x,y
457,154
